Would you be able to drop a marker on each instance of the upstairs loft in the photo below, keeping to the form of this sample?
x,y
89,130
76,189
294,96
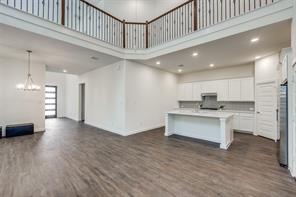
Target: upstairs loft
x,y
186,25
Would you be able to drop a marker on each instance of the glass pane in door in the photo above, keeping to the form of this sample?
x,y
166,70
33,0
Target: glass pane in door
x,y
50,101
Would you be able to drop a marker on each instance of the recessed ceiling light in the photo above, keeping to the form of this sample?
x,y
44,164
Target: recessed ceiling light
x,y
194,54
158,62
211,65
254,40
65,71
180,70
257,57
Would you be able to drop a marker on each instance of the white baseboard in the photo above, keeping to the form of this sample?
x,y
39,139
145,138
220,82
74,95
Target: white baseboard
x,y
123,132
36,130
142,130
112,130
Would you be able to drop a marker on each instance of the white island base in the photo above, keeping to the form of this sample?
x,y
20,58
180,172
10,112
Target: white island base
x,y
210,126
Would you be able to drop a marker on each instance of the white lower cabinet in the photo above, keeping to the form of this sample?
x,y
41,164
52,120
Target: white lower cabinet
x,y
236,121
244,122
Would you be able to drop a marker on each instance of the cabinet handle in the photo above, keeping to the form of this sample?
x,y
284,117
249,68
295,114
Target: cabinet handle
x,y
258,112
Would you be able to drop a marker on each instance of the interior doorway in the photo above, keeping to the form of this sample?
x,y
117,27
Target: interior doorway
x,y
82,102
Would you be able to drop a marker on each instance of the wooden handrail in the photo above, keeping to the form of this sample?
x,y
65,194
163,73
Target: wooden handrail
x,y
179,6
190,16
194,11
101,10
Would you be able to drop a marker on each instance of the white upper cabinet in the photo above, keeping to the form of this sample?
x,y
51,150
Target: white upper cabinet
x,y
209,87
247,89
185,92
227,90
223,90
234,90
197,91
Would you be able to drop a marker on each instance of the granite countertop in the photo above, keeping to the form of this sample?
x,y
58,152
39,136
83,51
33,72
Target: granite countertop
x,y
224,110
202,113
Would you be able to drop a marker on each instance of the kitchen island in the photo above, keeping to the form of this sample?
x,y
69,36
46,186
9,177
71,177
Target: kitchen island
x,y
213,126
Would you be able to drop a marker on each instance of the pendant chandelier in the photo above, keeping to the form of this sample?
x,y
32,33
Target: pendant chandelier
x,y
29,83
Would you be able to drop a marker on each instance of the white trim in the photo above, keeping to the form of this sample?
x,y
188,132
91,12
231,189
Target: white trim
x,y
112,130
37,130
142,130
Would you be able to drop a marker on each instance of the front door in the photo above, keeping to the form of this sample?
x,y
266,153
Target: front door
x,y
266,110
50,101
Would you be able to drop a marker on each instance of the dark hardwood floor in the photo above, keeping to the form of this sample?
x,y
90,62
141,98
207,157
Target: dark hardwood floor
x,y
72,159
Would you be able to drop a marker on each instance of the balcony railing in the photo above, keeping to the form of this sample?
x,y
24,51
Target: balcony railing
x,y
188,17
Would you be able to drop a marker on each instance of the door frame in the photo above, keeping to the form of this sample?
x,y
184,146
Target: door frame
x,y
56,101
80,101
275,136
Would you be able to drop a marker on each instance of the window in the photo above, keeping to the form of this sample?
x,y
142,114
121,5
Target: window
x,y
50,101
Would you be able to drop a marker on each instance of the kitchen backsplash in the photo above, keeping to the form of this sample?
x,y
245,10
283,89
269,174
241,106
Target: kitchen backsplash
x,y
239,106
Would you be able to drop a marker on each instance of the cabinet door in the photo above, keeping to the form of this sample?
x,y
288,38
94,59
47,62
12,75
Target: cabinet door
x,y
236,122
222,90
197,91
234,90
181,92
209,87
247,89
188,92
246,123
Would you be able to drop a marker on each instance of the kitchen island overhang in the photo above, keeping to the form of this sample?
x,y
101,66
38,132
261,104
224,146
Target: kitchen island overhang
x,y
213,126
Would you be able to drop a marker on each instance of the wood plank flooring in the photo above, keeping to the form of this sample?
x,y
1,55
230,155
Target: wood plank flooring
x,y
72,159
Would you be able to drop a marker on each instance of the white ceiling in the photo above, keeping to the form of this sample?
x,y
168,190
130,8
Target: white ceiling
x,y
229,51
55,54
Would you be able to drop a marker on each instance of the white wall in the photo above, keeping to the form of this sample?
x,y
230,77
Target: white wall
x,y
136,10
293,34
104,97
128,97
150,93
221,73
18,106
59,80
267,69
72,98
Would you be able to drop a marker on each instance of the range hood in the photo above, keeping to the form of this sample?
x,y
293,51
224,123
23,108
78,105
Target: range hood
x,y
209,101
208,94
